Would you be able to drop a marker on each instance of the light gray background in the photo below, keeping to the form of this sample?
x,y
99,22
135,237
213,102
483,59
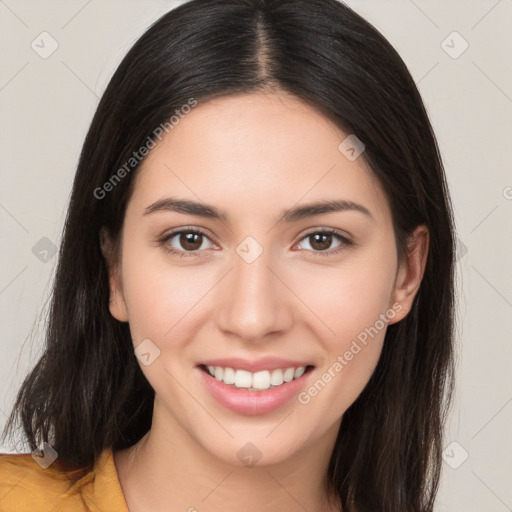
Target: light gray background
x,y
46,106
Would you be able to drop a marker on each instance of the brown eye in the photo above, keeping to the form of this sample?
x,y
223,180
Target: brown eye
x,y
186,242
190,241
320,242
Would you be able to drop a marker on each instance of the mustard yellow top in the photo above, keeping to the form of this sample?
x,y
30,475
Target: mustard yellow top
x,y
26,487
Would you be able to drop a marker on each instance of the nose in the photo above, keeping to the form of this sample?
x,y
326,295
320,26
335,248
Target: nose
x,y
253,301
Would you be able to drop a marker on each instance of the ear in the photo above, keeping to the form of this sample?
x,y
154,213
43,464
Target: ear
x,y
410,271
117,305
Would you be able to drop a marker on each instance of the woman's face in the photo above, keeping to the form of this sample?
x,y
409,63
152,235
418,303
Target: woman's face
x,y
258,289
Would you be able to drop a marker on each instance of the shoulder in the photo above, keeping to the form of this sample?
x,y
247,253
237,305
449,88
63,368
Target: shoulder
x,y
26,486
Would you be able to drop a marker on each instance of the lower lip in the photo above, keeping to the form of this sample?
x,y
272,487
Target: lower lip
x,y
251,403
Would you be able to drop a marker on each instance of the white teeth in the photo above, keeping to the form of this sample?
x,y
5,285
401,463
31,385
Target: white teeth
x,y
243,379
288,374
261,380
229,376
276,378
299,372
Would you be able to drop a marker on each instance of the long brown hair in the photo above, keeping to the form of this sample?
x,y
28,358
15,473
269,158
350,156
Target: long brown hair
x,y
87,392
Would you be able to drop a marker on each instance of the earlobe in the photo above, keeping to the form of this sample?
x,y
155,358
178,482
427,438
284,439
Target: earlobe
x,y
411,270
116,303
117,307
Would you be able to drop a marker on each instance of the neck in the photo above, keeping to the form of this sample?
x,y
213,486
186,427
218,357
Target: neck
x,y
168,470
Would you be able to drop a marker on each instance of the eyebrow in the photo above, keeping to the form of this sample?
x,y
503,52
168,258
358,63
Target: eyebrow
x,y
294,214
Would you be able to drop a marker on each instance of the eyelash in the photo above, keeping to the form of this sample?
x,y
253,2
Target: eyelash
x,y
345,242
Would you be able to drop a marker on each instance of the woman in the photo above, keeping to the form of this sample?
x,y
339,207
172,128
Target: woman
x,y
253,306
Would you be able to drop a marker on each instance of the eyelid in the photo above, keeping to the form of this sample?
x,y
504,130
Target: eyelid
x,y
323,229
188,229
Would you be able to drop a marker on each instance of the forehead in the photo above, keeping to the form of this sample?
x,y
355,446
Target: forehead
x,y
256,152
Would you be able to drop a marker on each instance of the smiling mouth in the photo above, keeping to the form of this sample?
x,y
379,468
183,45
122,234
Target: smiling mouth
x,y
255,381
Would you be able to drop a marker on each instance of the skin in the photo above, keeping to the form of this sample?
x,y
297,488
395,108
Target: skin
x,y
252,156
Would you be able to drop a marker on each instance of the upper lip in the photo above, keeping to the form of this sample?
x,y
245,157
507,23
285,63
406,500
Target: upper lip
x,y
256,365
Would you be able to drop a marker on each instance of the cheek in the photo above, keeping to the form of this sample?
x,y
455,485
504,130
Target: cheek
x,y
167,300
353,312
352,305
159,300
350,297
